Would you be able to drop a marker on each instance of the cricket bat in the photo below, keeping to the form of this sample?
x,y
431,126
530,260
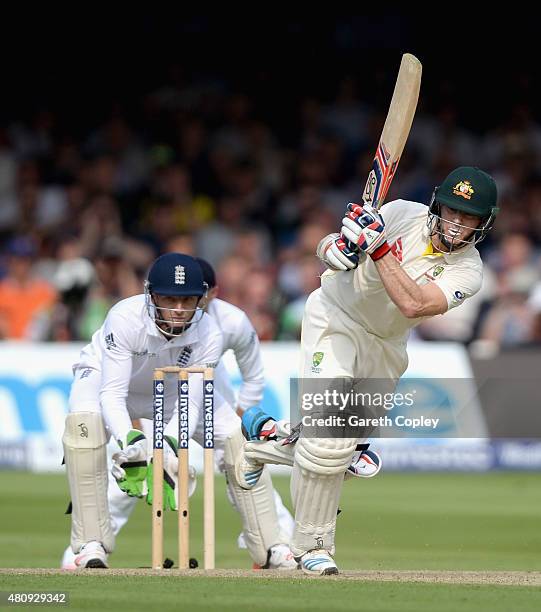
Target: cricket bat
x,y
395,131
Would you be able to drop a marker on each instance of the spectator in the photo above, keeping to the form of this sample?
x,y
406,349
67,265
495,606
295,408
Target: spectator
x,y
232,273
509,323
173,185
291,316
201,168
63,322
181,243
22,297
115,280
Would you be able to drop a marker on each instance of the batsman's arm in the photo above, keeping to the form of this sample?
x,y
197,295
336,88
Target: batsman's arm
x,y
412,300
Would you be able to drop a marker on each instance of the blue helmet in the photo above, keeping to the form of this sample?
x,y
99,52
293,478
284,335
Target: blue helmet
x,y
209,276
176,274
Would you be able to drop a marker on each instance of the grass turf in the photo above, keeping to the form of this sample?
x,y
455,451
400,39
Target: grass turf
x,y
395,521
199,593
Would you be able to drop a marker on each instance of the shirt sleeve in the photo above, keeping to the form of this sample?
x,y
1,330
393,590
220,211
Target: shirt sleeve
x,y
459,283
392,213
245,345
116,374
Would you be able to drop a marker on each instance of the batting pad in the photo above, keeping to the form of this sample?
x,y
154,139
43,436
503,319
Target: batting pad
x,y
255,506
84,443
316,484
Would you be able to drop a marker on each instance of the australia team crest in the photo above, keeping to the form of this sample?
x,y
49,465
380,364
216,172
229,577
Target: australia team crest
x,y
317,358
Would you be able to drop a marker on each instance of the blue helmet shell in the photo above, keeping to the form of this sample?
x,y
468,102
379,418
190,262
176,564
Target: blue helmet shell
x,y
176,274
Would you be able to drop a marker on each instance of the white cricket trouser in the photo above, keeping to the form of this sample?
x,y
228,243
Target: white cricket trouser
x,y
84,396
348,349
336,353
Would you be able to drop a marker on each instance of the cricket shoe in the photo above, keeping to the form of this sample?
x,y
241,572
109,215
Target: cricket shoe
x,y
68,560
364,463
279,557
318,563
91,555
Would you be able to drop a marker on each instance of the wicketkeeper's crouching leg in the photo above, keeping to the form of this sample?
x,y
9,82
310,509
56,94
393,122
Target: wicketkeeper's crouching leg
x,y
85,455
266,542
121,506
266,531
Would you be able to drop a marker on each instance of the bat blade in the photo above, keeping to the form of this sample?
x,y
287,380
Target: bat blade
x,y
395,131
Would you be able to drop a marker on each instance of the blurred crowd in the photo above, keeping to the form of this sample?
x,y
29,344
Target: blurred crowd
x,y
202,169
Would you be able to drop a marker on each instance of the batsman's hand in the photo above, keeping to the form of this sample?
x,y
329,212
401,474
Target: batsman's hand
x,y
337,255
365,228
130,463
258,425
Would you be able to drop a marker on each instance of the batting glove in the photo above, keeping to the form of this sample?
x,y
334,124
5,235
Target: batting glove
x,y
364,227
258,425
337,255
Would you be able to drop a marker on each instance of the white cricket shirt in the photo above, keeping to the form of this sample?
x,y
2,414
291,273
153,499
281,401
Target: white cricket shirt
x,y
127,348
240,336
361,293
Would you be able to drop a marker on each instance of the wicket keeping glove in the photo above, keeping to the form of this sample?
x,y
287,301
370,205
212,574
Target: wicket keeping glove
x,y
364,227
170,468
170,476
130,463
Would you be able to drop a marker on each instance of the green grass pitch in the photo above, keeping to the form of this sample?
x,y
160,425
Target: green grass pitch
x,y
393,522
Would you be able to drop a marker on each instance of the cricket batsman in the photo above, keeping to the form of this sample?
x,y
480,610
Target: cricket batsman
x,y
387,271
112,387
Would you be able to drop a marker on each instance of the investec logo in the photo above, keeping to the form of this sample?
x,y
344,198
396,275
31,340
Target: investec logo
x,y
209,415
183,436
158,414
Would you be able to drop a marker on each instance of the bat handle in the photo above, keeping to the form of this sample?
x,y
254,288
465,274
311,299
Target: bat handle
x,y
352,247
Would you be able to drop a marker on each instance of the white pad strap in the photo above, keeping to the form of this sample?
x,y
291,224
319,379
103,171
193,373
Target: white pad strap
x,y
255,506
325,455
86,462
316,484
272,451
